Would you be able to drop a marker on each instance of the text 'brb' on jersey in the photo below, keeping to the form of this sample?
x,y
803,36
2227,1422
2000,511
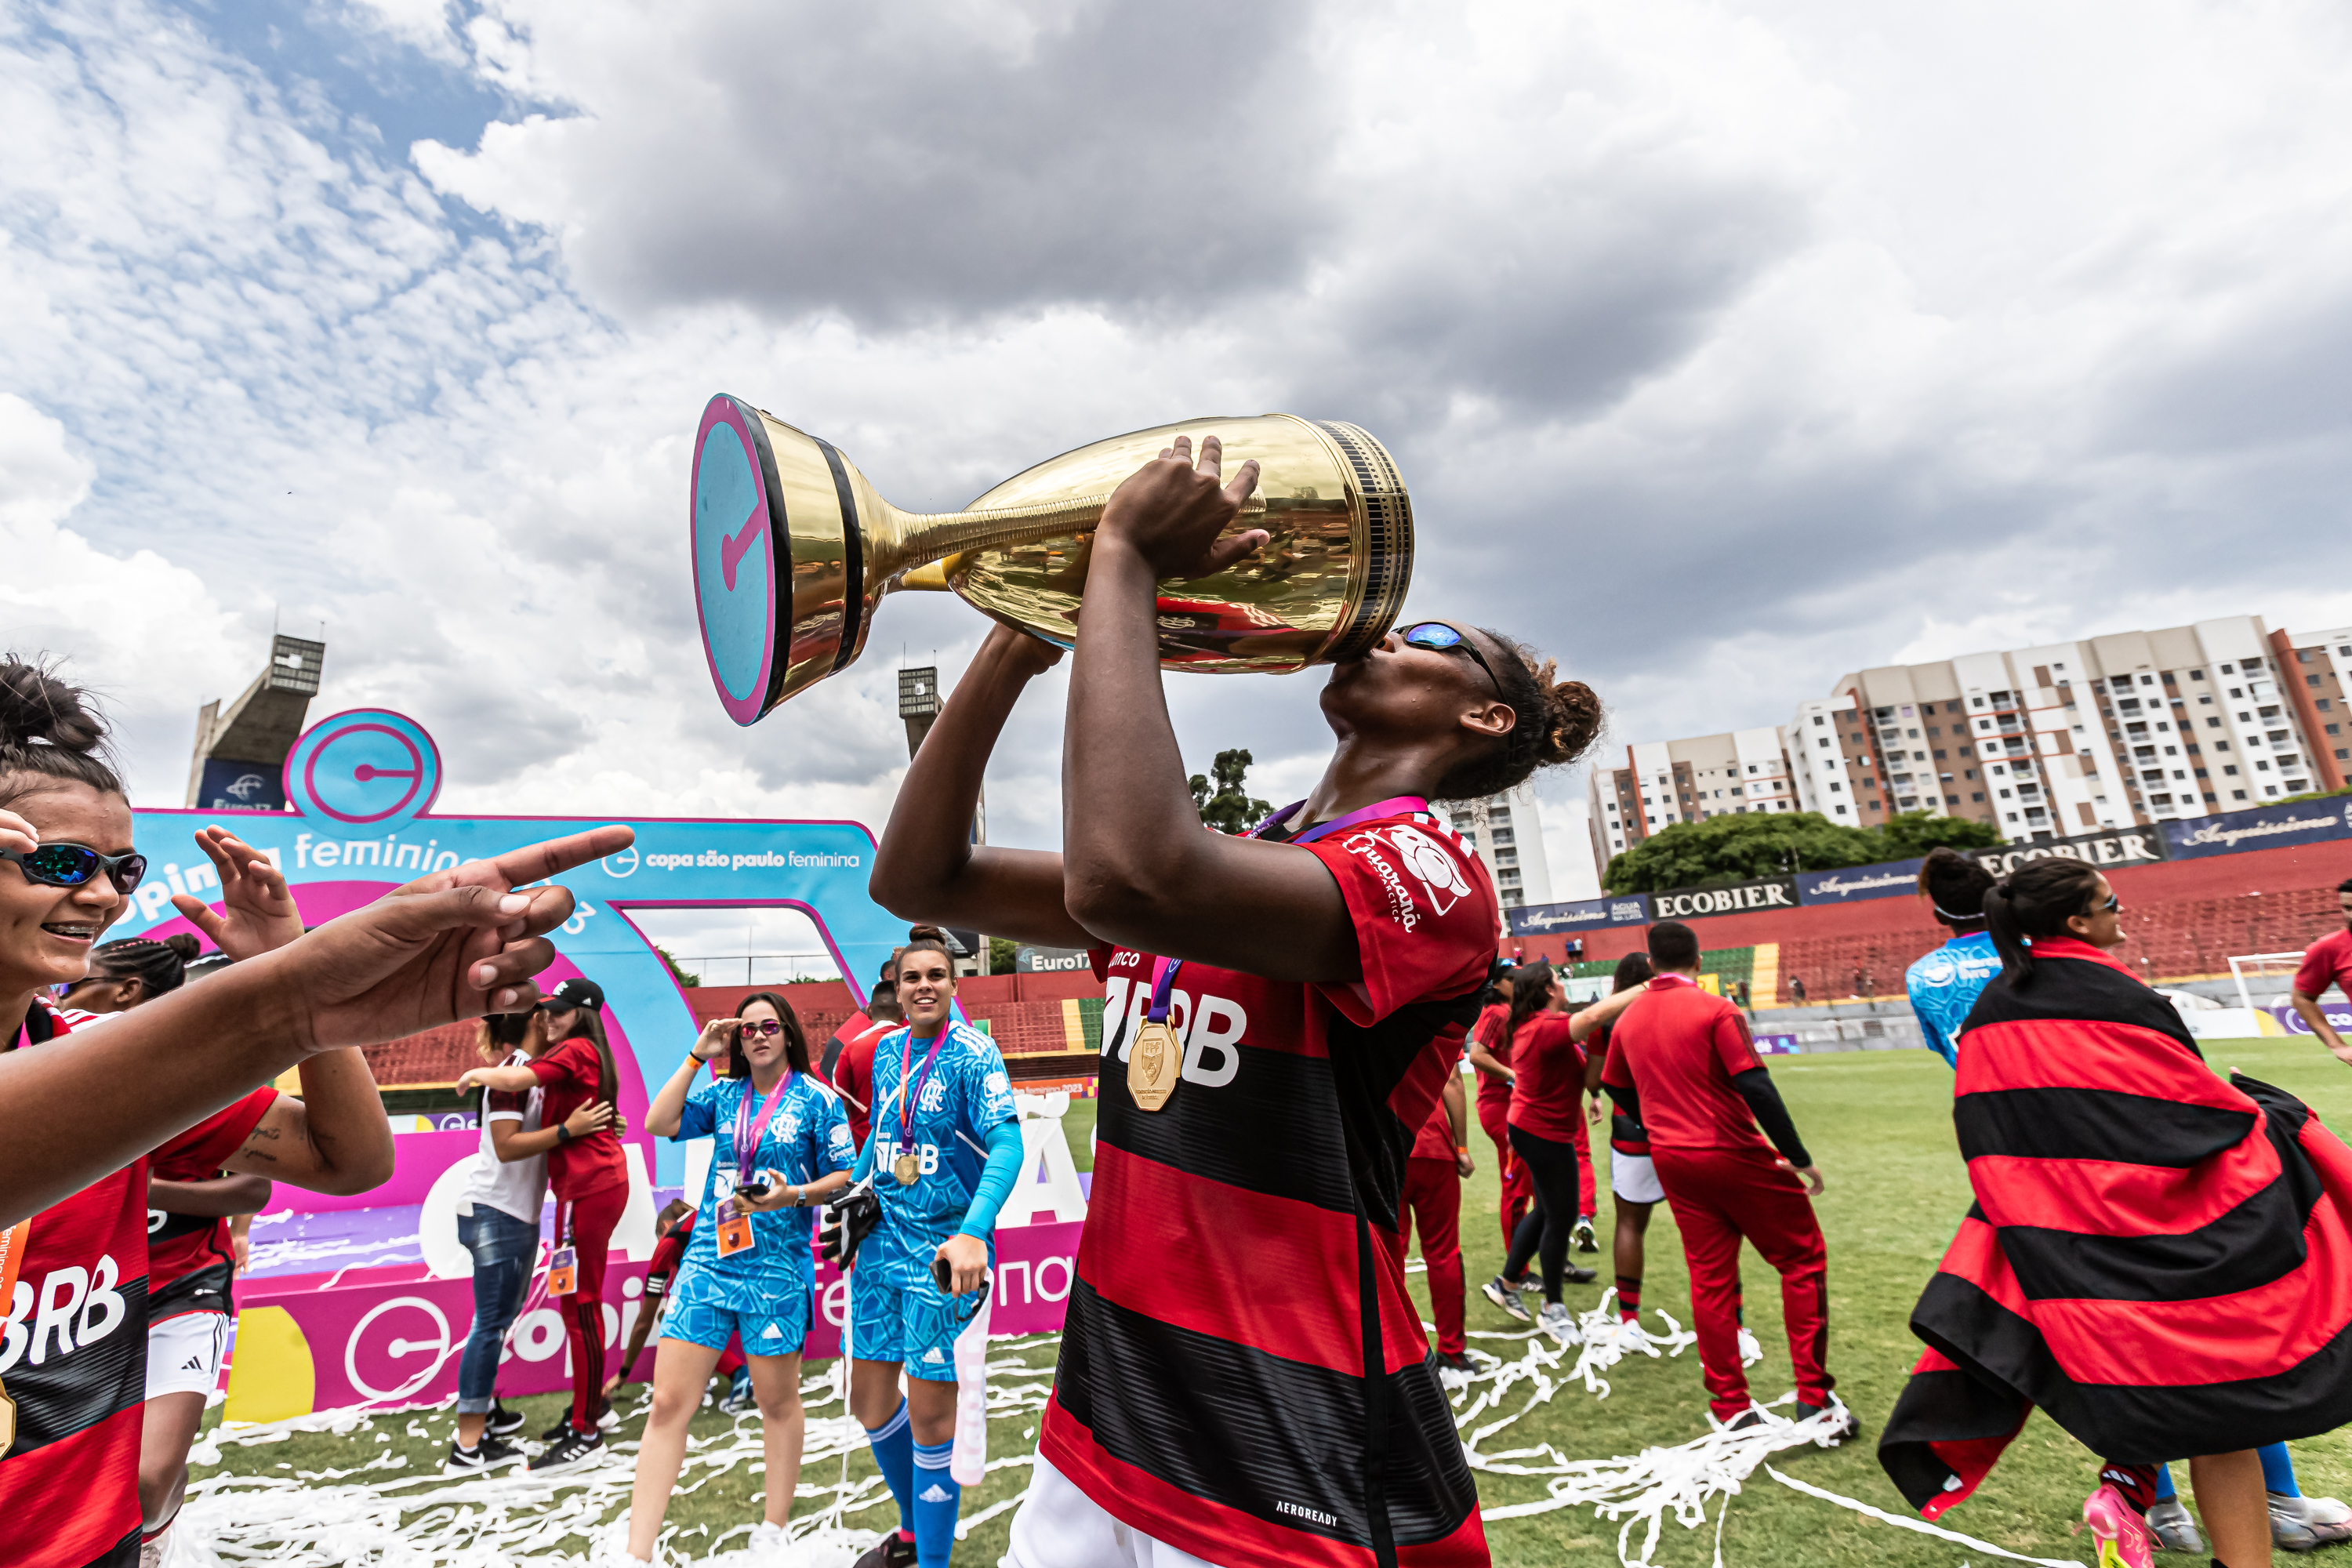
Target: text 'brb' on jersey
x,y
1231,1294
74,1352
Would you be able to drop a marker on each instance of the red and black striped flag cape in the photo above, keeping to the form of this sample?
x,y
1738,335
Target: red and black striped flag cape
x,y
2159,1259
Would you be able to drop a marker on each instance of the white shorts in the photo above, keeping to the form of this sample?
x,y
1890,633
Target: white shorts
x,y
1058,1526
1634,1178
184,1351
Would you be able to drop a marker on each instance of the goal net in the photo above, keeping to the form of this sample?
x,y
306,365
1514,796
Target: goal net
x,y
2265,978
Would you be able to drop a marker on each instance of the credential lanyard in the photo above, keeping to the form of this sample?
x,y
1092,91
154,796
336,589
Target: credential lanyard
x,y
1163,970
907,1093
747,1149
12,1243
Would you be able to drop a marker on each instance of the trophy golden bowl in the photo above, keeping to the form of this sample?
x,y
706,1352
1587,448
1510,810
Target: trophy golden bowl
x,y
794,549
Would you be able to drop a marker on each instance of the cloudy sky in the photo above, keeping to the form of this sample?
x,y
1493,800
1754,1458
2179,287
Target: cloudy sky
x,y
1725,347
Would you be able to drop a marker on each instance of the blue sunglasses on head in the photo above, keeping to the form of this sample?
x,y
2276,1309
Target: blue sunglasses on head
x,y
1440,637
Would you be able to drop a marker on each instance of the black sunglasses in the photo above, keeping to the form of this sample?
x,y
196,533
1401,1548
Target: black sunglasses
x,y
72,865
1441,638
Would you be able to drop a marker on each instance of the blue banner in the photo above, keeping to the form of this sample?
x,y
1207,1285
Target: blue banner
x,y
1851,884
1586,914
230,785
2264,827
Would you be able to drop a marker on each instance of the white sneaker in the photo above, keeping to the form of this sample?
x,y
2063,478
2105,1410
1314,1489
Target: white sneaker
x,y
768,1546
1556,1321
2326,1511
1750,1353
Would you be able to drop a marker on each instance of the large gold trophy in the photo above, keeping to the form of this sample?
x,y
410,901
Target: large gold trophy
x,y
793,550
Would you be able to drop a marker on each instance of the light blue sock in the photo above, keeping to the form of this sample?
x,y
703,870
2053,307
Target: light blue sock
x,y
2164,1493
894,1452
2278,1470
936,1499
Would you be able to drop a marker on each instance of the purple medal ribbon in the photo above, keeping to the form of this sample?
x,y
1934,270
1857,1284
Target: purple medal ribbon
x,y
908,1095
1163,970
746,1154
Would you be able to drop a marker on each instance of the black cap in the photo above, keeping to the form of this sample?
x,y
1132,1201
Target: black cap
x,y
577,992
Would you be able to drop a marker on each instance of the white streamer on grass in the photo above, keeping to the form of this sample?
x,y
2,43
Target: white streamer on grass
x,y
370,1513
361,1515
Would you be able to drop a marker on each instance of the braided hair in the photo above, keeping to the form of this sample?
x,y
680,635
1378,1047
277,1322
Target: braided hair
x,y
1557,721
158,966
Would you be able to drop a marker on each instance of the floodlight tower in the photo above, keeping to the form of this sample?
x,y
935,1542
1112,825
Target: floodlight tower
x,y
240,754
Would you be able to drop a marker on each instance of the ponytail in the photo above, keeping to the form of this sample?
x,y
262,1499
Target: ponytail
x,y
2036,901
1530,994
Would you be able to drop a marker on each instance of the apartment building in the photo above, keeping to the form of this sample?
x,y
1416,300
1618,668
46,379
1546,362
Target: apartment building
x,y
1665,781
2315,672
2049,742
1506,831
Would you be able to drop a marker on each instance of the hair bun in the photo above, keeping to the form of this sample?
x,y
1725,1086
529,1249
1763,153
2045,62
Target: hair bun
x,y
1575,720
185,944
38,708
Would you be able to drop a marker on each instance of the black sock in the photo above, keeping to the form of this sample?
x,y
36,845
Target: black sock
x,y
1629,1296
2136,1483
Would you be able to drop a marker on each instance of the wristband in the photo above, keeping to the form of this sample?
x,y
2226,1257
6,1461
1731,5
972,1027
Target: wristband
x,y
1462,1148
563,1133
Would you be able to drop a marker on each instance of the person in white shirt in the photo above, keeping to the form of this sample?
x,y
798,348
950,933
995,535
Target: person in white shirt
x,y
497,1220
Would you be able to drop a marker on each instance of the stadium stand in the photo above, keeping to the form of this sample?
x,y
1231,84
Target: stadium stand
x,y
2186,919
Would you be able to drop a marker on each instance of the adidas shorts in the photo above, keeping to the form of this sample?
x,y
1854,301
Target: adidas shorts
x,y
1634,1178
1058,1526
698,1316
184,1353
914,1324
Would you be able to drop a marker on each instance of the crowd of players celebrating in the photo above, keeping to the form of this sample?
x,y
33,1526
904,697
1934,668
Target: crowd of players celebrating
x,y
2158,1259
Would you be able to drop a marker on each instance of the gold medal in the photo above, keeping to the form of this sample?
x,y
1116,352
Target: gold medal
x,y
7,1424
1154,1063
906,1167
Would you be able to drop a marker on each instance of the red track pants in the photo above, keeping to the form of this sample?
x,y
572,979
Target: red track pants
x,y
588,1224
1433,1202
1720,1197
1518,1187
1584,1192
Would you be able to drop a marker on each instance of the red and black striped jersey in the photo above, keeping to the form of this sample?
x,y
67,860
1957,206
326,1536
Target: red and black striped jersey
x,y
1236,1280
73,1357
191,1265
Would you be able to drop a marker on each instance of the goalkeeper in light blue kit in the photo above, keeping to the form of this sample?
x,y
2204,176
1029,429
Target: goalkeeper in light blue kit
x,y
943,1156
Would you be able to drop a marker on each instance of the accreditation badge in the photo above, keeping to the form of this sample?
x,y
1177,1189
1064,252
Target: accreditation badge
x,y
734,1232
1154,1063
562,1271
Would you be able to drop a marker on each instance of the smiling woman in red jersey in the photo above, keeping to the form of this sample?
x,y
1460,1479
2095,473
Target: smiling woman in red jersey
x,y
1243,1378
77,1284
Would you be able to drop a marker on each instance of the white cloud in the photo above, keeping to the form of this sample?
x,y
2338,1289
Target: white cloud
x,y
1726,346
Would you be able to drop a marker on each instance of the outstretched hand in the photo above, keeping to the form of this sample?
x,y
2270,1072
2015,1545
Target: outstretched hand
x,y
1173,511
456,944
257,913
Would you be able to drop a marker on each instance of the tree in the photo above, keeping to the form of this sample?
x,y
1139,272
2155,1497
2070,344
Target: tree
x,y
1228,808
685,978
1001,952
1746,849
1740,848
1909,835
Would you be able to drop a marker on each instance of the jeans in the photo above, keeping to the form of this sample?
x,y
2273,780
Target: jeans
x,y
504,1249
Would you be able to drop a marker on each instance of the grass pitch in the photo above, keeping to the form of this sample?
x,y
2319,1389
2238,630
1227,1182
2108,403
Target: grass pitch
x,y
1880,1124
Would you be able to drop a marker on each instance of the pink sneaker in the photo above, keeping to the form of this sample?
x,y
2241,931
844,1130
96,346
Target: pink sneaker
x,y
2120,1530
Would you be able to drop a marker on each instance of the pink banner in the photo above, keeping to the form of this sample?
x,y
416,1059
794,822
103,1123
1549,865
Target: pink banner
x,y
398,1342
